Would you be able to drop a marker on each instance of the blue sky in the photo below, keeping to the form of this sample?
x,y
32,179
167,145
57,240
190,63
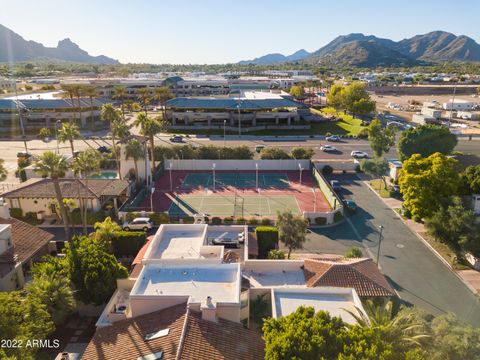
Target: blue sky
x,y
214,31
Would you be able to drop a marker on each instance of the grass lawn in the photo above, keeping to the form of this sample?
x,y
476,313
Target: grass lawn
x,y
379,188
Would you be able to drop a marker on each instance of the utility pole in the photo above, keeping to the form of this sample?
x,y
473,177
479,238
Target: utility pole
x,y
379,243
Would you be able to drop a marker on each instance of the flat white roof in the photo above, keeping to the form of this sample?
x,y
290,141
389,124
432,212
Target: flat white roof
x,y
274,273
220,281
334,300
177,241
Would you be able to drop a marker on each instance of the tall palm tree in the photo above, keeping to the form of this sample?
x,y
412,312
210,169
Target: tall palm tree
x,y
91,93
70,91
121,129
134,150
54,166
143,95
162,95
110,114
149,127
84,165
120,93
105,230
69,132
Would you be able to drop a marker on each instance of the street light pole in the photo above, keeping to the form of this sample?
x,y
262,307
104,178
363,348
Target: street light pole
x,y
256,175
151,198
314,200
213,168
239,120
224,127
56,134
171,185
300,168
379,243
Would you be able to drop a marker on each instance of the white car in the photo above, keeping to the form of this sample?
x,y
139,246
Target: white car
x,y
328,148
359,154
141,223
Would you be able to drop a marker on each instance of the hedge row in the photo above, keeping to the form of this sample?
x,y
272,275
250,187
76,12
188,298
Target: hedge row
x,y
209,152
128,243
267,239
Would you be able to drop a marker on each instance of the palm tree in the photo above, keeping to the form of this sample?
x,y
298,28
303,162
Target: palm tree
x,y
79,91
54,166
91,93
70,91
121,129
149,127
69,132
162,95
105,230
84,165
134,150
144,96
120,93
110,114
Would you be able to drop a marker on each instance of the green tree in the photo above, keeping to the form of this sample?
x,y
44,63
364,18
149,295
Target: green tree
x,y
70,91
426,183
455,226
120,93
426,140
3,170
377,167
143,95
381,140
93,270
298,92
69,132
54,166
161,96
334,97
275,254
352,98
470,180
302,153
110,114
354,252
292,230
105,230
44,133
150,127
273,153
134,150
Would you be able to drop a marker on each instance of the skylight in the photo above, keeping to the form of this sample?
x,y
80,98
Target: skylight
x,y
157,334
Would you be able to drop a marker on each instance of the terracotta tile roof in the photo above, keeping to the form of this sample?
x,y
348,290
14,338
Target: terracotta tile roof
x,y
27,239
361,274
44,188
206,340
194,339
125,339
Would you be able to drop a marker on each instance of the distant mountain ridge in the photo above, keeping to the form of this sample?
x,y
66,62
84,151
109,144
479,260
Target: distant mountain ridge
x,y
277,58
15,48
369,51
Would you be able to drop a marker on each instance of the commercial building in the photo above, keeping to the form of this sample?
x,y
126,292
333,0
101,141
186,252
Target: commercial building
x,y
459,104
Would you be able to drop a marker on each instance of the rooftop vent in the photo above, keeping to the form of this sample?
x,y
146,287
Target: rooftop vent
x,y
157,334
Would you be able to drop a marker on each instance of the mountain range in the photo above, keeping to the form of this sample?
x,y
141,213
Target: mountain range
x,y
15,48
369,51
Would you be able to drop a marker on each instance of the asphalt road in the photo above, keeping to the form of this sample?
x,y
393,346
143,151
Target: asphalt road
x,y
418,276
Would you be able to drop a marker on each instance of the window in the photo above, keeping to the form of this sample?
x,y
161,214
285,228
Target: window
x,y
15,203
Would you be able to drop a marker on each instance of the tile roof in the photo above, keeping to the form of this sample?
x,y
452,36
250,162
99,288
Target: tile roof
x,y
361,274
27,239
125,339
206,340
194,339
44,188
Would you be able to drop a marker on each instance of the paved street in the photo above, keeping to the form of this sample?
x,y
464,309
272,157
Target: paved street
x,y
419,277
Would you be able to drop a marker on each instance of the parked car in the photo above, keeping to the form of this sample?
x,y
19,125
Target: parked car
x,y
335,185
359,154
227,242
104,149
176,138
334,138
350,205
328,148
141,223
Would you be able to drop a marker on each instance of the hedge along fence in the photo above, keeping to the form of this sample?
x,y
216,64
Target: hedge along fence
x,y
128,243
267,239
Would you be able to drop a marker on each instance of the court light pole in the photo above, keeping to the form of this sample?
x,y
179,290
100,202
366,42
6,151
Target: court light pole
x,y
57,123
256,175
224,127
301,169
151,198
239,120
314,200
213,168
379,243
171,185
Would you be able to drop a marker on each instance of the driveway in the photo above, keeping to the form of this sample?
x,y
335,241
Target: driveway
x,y
419,277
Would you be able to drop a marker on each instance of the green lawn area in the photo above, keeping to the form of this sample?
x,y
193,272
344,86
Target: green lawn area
x,y
347,125
379,188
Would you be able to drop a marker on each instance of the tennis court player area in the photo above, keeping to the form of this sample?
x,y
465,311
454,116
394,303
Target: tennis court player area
x,y
240,194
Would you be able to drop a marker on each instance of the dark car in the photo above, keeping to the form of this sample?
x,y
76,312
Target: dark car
x,y
335,185
104,149
334,138
176,138
350,205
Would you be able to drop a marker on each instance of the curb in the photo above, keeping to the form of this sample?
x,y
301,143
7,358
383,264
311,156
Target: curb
x,y
437,254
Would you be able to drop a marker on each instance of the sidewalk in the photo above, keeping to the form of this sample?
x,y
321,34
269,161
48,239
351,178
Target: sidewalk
x,y
471,278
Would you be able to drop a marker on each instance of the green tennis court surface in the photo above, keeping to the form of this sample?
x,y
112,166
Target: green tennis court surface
x,y
237,180
231,205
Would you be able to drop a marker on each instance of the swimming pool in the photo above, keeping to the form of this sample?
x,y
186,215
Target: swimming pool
x,y
105,175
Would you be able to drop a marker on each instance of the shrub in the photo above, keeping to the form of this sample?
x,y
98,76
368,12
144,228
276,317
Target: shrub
x,y
188,220
216,221
320,220
241,221
363,134
338,216
92,217
266,221
159,218
132,215
31,218
228,220
276,255
354,252
16,213
128,243
327,170
253,221
267,239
